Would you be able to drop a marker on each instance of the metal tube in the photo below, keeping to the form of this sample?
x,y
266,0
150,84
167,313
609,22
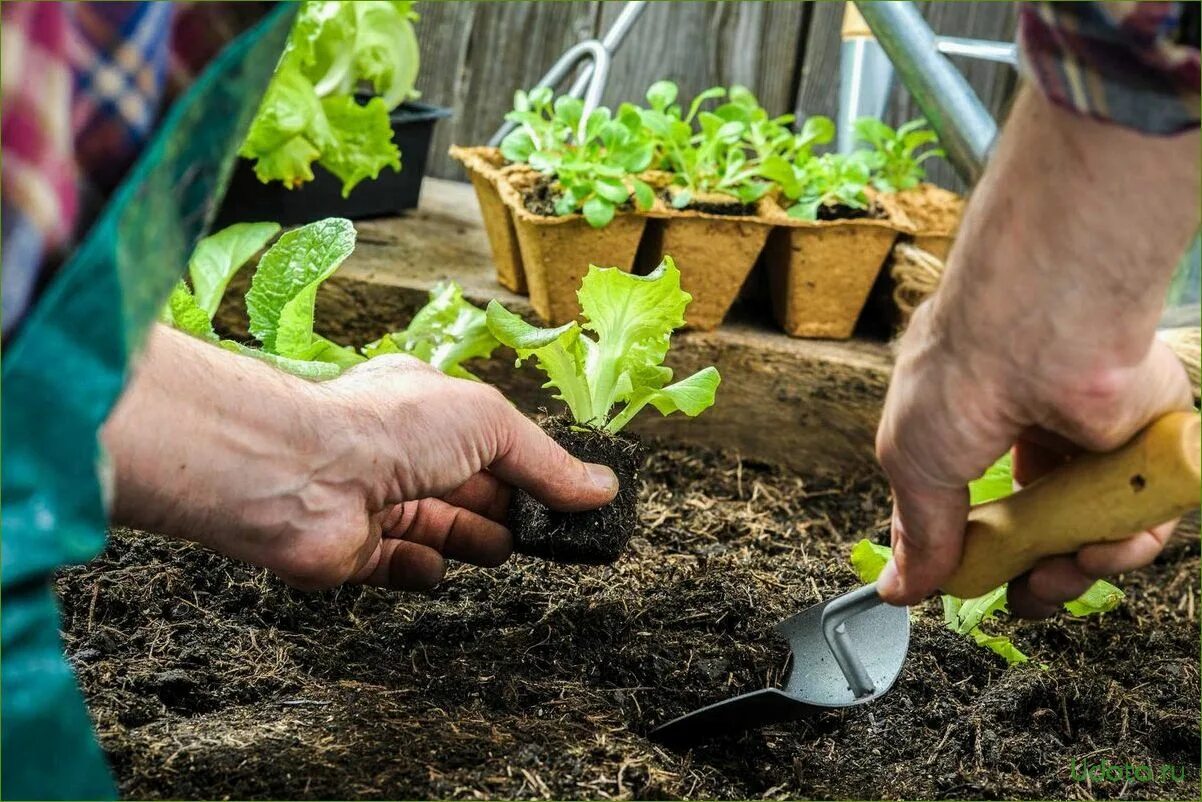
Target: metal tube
x,y
611,41
560,69
865,78
981,49
963,125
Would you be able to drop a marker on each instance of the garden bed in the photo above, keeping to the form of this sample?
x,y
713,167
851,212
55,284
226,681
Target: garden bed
x,y
210,679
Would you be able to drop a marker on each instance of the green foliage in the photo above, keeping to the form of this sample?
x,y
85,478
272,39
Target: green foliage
x,y
281,298
631,319
997,482
896,157
308,113
811,182
446,332
966,616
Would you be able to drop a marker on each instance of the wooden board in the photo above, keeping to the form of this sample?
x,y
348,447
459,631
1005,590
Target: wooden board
x,y
810,404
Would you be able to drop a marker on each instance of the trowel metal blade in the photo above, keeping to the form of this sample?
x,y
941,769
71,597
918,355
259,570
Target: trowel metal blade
x,y
881,637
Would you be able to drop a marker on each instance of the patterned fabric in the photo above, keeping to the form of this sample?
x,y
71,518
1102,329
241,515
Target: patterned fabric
x,y
82,87
1131,63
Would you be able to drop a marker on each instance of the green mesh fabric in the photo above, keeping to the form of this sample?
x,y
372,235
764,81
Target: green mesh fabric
x,y
62,374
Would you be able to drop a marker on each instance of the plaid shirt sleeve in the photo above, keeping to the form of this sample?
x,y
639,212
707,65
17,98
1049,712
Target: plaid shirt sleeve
x,y
1130,63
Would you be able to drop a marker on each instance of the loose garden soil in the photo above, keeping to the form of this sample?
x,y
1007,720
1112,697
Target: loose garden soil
x,y
211,679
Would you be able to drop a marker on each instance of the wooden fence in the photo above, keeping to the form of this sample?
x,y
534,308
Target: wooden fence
x,y
475,54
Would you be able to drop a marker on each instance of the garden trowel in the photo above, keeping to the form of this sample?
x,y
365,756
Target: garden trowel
x,y
849,650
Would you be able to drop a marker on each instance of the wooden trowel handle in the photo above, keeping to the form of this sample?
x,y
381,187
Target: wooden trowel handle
x,y
1095,498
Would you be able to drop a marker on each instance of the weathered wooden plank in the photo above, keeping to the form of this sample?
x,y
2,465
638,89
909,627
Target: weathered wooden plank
x,y
476,54
703,44
808,404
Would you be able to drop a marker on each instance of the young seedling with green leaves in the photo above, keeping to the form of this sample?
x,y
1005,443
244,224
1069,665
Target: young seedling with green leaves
x,y
282,296
825,185
605,370
713,160
967,616
896,157
446,332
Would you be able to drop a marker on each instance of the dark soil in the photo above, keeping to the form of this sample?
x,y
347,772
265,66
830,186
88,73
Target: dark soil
x,y
539,198
210,679
840,211
730,209
595,537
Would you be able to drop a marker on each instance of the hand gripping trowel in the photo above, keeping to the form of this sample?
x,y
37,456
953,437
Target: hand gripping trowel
x,y
849,650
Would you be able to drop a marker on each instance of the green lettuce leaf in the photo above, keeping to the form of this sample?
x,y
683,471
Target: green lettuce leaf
x,y
289,131
314,371
362,136
218,257
182,312
559,354
446,332
1102,597
385,51
997,482
283,292
631,319
868,559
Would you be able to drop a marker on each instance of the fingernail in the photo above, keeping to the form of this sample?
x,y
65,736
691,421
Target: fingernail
x,y
602,477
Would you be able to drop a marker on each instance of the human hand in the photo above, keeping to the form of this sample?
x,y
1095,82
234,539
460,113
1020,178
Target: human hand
x,y
377,476
1040,337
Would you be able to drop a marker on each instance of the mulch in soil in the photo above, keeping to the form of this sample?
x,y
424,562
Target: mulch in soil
x,y
211,679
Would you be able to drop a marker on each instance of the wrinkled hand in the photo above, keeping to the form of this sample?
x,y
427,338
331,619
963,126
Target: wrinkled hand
x,y
418,467
1041,336
377,476
951,411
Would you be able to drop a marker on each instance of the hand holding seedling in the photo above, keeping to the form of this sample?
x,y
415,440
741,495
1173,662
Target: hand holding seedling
x,y
1041,337
376,476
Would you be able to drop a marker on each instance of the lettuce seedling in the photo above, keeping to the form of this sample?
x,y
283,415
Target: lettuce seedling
x,y
282,297
595,175
830,180
542,126
631,320
446,332
309,113
895,158
966,616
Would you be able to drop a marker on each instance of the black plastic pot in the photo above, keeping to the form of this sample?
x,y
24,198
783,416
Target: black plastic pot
x,y
249,199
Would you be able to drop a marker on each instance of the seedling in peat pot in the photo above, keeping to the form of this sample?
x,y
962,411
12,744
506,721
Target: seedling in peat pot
x,y
895,160
605,380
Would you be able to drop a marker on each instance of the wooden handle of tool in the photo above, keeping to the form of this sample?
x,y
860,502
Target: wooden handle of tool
x,y
854,26
1095,498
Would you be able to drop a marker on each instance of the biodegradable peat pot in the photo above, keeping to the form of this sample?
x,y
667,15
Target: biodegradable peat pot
x,y
715,243
485,166
935,213
822,271
556,251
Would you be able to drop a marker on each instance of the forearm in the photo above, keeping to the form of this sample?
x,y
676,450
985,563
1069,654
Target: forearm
x,y
203,442
1069,241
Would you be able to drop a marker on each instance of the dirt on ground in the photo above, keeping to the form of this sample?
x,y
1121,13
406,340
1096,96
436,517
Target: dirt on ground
x,y
210,679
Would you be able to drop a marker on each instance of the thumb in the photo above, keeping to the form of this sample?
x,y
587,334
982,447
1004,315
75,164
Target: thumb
x,y
528,458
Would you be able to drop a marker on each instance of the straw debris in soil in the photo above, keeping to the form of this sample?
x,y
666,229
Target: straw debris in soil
x,y
211,679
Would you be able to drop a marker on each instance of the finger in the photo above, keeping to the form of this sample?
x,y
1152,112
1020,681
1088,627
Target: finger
x,y
1037,453
453,532
1106,559
483,494
928,530
528,458
404,565
1049,584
